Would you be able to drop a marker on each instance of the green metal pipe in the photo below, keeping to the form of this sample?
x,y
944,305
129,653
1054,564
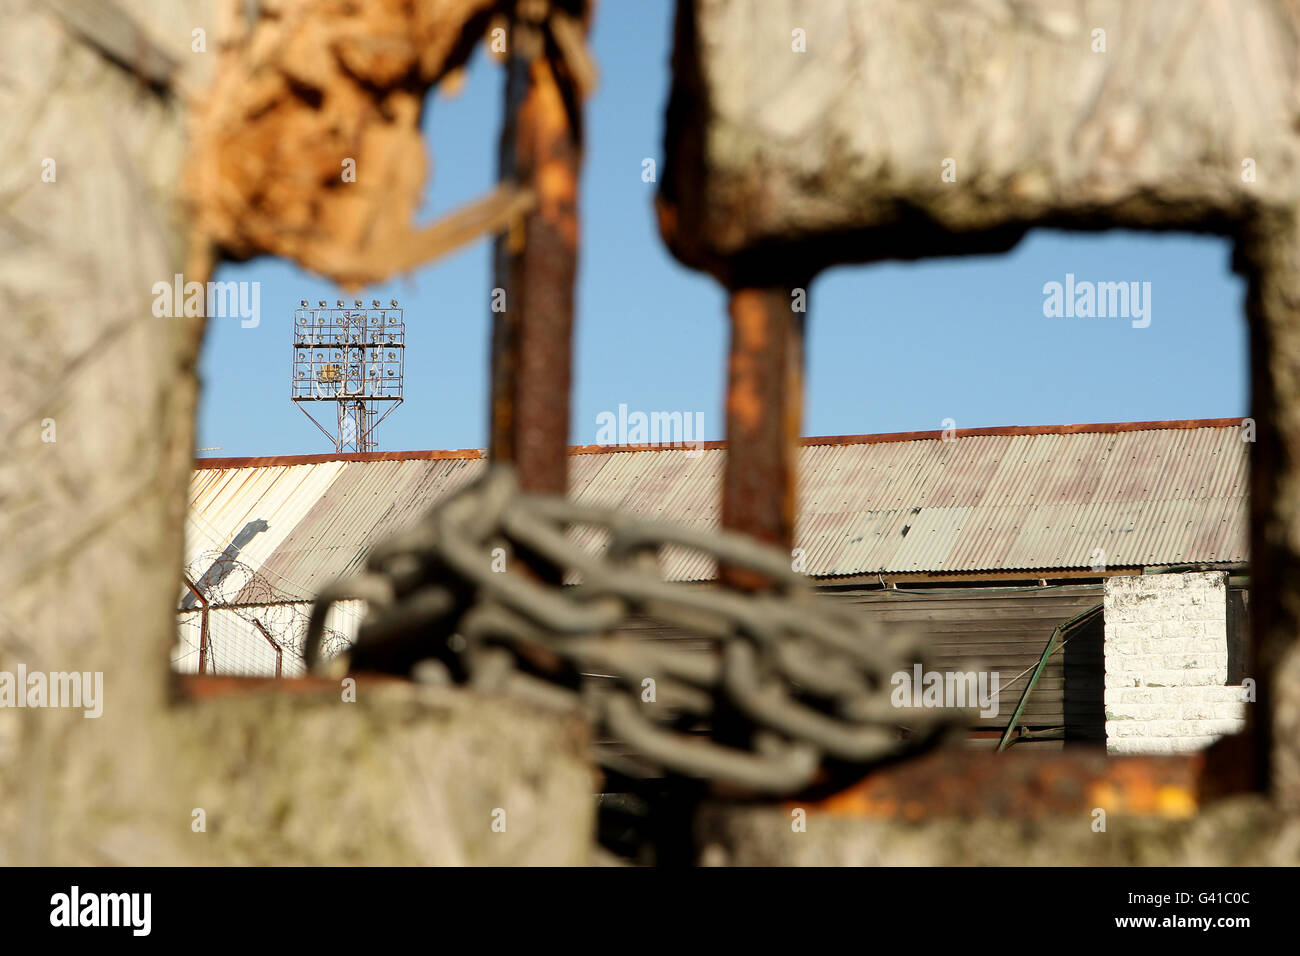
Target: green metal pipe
x,y
1057,632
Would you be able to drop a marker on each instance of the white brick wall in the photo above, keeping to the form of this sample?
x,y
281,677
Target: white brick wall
x,y
1166,663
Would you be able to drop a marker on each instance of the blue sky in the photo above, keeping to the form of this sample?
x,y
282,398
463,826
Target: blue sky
x,y
891,346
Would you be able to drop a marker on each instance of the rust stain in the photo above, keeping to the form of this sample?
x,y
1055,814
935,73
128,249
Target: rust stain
x,y
532,338
885,438
202,464
556,174
749,327
209,687
1095,428
970,784
1175,802
764,402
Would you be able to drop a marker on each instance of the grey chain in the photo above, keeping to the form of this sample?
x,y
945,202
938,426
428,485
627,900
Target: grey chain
x,y
805,680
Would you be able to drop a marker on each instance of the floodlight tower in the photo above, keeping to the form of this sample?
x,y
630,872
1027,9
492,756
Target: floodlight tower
x,y
353,358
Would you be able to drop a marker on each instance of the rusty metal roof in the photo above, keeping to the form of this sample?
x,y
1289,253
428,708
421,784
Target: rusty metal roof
x,y
1011,499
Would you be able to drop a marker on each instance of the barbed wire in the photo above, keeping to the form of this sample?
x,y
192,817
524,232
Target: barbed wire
x,y
240,598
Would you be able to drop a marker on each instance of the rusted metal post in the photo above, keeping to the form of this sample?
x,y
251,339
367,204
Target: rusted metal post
x,y
203,625
536,259
764,408
279,652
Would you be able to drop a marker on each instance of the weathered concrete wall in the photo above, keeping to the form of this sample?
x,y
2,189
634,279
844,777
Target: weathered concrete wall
x,y
96,411
97,402
406,775
1245,831
1042,129
1166,653
825,130
805,134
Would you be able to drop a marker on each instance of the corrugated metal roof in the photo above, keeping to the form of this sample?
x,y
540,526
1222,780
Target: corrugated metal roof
x,y
988,500
366,503
225,502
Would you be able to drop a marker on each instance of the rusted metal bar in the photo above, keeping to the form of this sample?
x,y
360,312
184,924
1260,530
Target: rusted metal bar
x,y
956,784
211,686
279,652
764,407
536,259
203,625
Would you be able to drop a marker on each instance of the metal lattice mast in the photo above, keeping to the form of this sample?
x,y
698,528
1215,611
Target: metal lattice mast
x,y
353,358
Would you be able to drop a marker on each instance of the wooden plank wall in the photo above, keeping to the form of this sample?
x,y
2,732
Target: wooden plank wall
x,y
1005,630
998,629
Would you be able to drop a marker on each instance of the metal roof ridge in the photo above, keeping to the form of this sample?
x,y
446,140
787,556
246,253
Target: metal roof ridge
x,y
811,441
